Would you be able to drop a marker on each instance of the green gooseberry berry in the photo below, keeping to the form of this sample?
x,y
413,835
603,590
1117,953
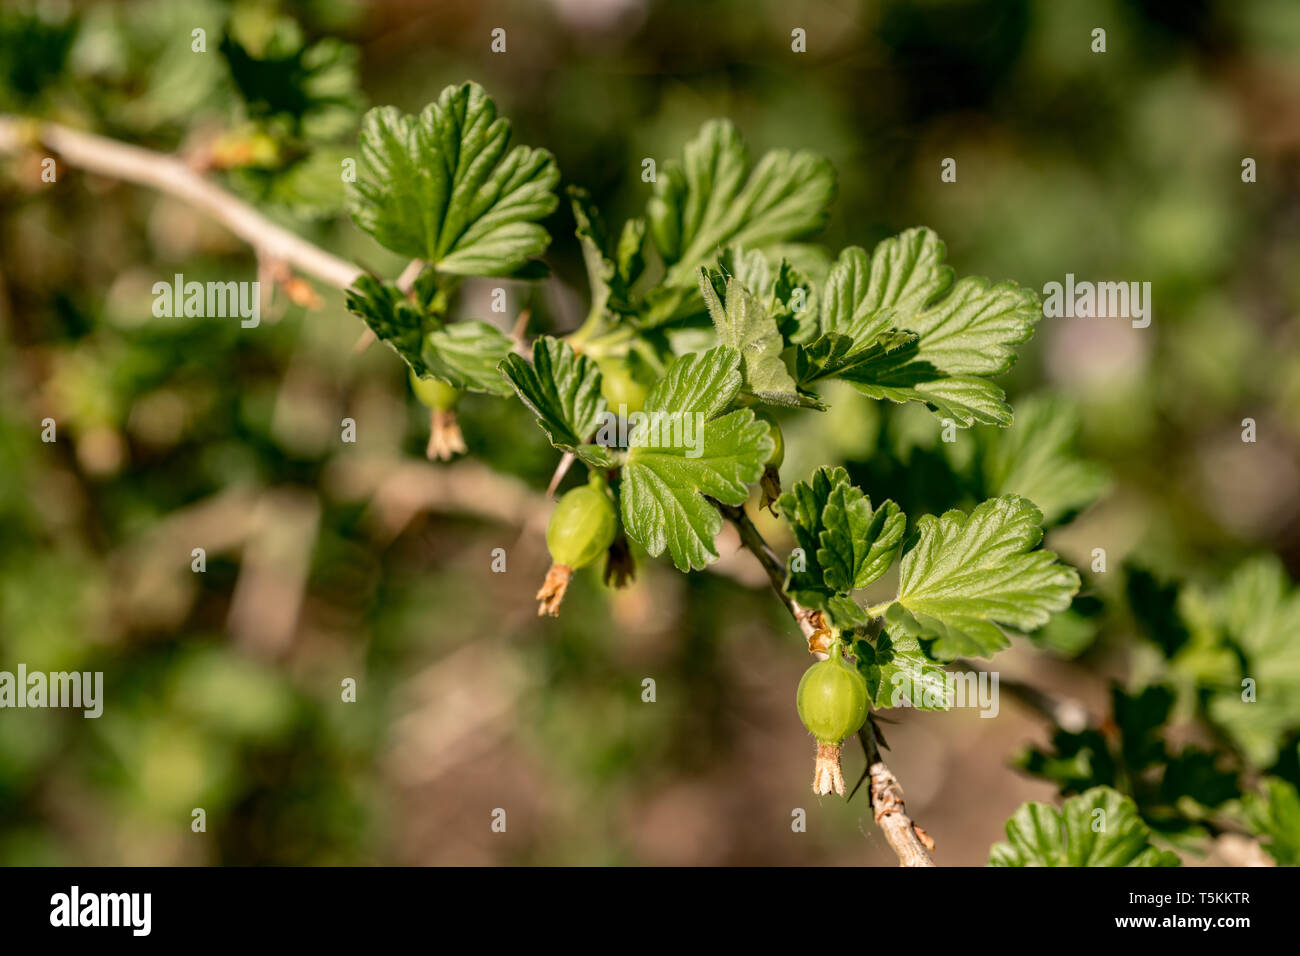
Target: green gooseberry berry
x,y
832,699
622,390
434,394
582,527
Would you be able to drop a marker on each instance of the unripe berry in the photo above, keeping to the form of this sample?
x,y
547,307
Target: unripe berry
x,y
581,529
624,393
434,394
832,701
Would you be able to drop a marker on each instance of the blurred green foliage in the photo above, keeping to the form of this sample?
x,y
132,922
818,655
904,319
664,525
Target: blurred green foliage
x,y
1124,165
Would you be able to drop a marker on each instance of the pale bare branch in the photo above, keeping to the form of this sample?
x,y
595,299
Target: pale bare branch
x,y
171,175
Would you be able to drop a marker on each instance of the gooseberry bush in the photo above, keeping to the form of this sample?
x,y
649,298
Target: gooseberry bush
x,y
708,314
712,327
715,328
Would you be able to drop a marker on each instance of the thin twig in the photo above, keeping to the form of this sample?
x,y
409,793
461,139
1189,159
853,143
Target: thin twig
x,y
172,175
910,843
566,461
168,174
810,621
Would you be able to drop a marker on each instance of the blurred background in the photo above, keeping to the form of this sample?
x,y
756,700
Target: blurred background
x,y
329,561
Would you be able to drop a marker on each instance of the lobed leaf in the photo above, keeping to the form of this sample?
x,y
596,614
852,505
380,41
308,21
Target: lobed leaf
x,y
679,452
397,320
704,382
846,544
1098,828
467,355
611,272
563,389
1256,620
1034,458
900,277
964,331
787,294
836,355
966,574
857,544
744,325
442,187
1274,814
899,672
712,199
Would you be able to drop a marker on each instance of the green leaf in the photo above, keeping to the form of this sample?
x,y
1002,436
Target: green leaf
x,y
803,506
899,673
610,273
563,389
1097,828
1034,458
902,275
857,544
1132,755
313,87
442,187
1274,813
1258,618
789,297
833,354
743,324
680,452
462,354
34,47
963,575
964,335
898,377
467,355
1154,604
971,329
399,322
1076,761
705,383
601,271
846,544
711,200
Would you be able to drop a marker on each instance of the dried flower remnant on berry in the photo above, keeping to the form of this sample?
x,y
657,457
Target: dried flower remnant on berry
x,y
553,589
827,775
445,438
